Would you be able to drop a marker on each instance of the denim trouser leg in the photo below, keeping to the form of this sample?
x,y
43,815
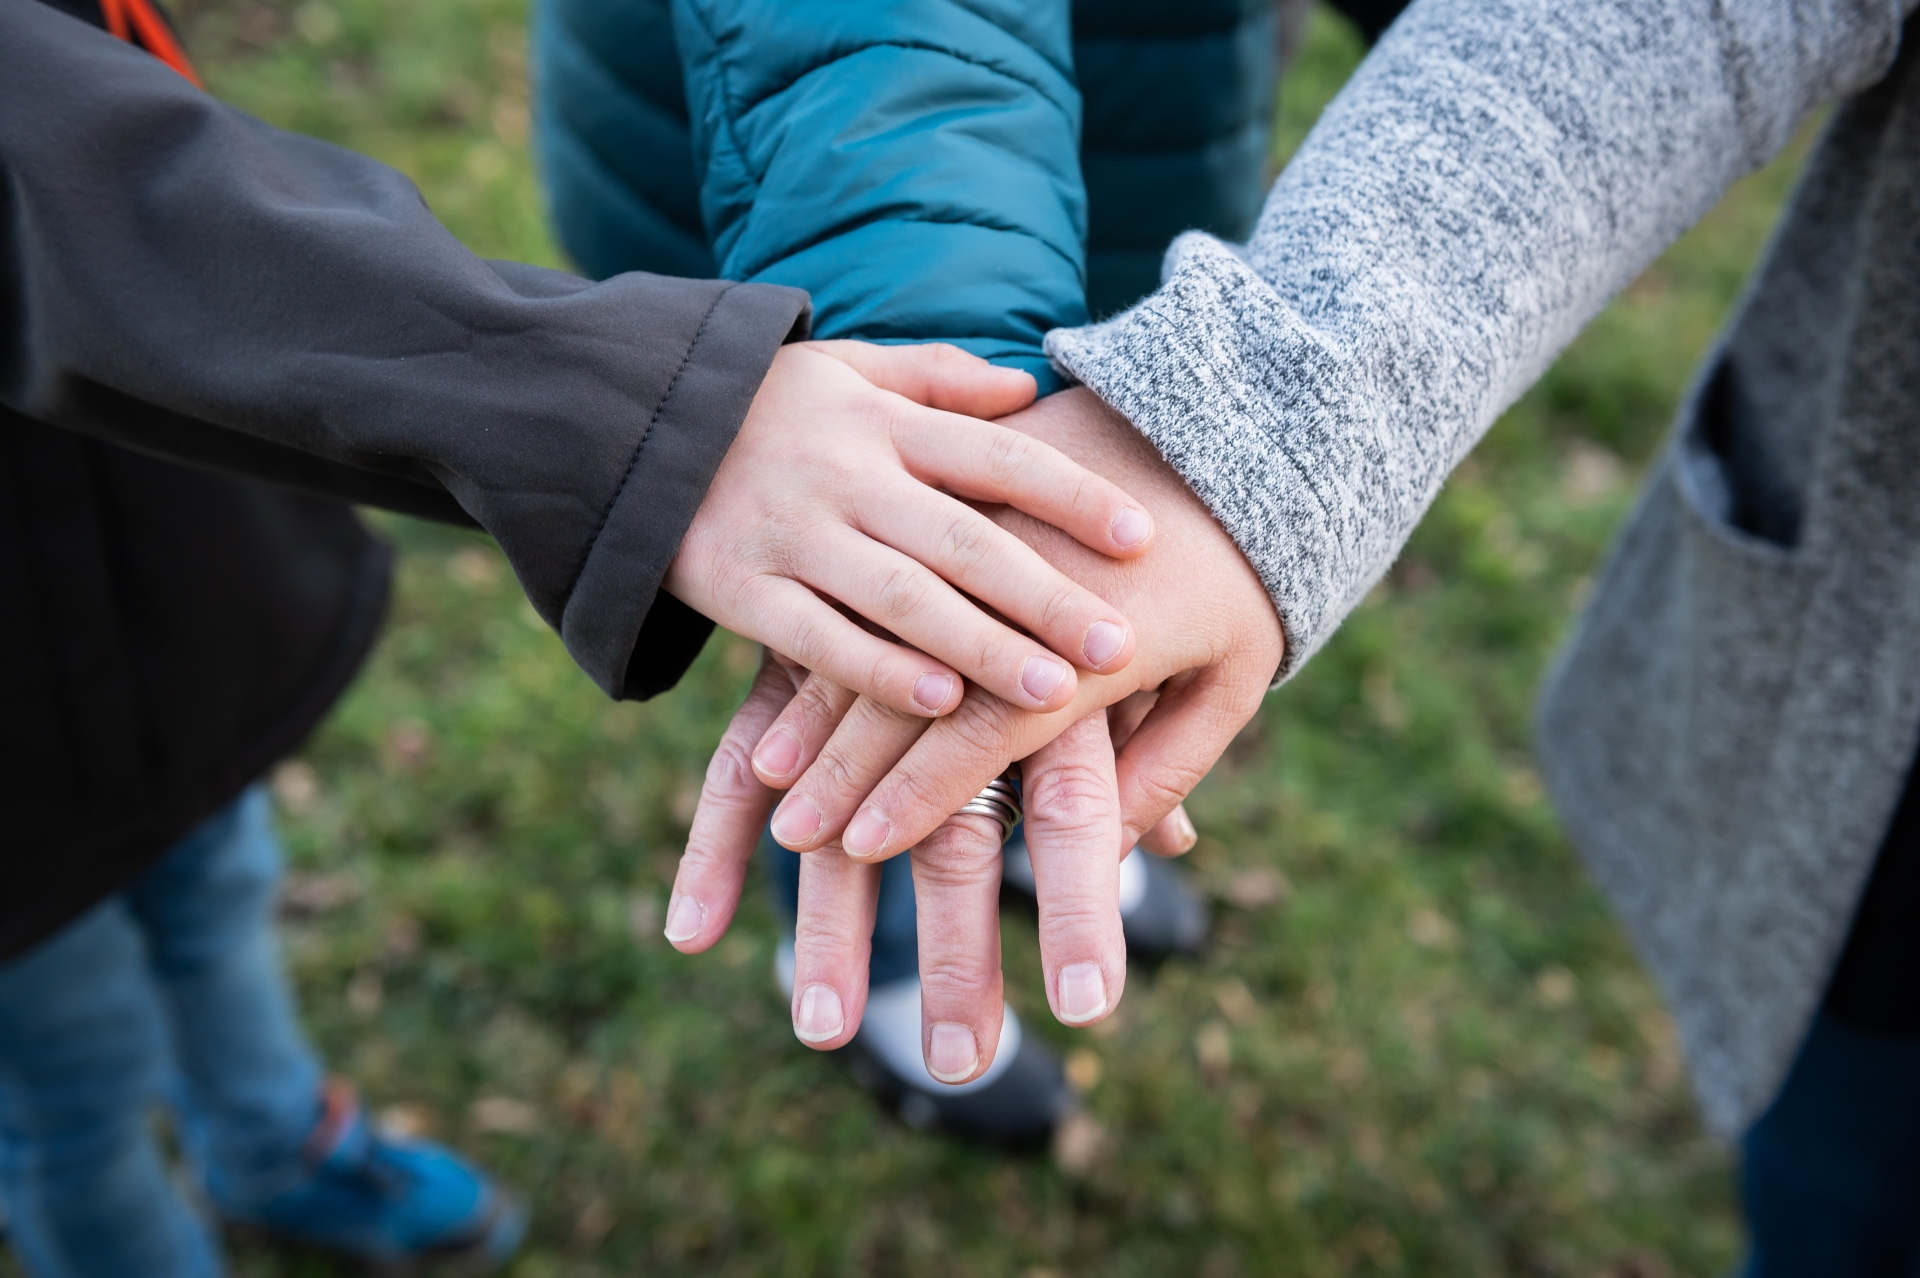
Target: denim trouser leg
x,y
174,984
1831,1172
896,939
82,1062
248,1084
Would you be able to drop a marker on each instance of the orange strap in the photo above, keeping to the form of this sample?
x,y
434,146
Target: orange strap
x,y
138,23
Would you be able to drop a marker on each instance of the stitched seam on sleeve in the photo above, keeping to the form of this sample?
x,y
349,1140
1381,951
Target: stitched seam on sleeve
x,y
827,60
633,462
729,109
787,252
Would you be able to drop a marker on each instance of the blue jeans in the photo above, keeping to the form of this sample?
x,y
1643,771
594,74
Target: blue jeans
x,y
170,992
1831,1172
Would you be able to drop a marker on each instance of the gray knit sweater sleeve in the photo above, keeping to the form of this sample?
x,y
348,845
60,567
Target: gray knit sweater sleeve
x,y
1493,174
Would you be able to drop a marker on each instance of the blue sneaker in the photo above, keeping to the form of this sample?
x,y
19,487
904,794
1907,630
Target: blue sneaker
x,y
399,1206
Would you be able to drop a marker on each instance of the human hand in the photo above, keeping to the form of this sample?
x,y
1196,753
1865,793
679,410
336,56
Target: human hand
x,y
830,490
1210,641
1072,833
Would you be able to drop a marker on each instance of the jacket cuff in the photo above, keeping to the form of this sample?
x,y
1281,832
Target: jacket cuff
x,y
633,641
1232,390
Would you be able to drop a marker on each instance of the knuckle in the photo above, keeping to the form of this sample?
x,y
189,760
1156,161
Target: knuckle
x,y
881,680
885,415
902,592
963,852
1060,609
982,730
1162,792
704,860
1089,491
825,941
954,979
807,642
1075,915
1069,795
815,706
912,791
837,773
1009,454
967,541
730,771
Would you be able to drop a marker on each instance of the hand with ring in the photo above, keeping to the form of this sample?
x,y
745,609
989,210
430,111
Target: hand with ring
x,y
860,775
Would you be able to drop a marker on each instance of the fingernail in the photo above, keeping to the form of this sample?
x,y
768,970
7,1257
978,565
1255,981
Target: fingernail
x,y
1130,527
820,1016
867,832
797,820
1188,835
1103,643
1083,993
1040,676
931,691
777,754
951,1052
684,917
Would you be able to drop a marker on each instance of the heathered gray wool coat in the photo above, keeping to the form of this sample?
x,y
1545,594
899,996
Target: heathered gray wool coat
x,y
1727,734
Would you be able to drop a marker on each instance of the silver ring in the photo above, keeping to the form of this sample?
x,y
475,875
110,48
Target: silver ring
x,y
999,801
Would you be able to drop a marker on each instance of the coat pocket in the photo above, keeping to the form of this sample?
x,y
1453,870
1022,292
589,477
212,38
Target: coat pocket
x,y
1660,722
1734,625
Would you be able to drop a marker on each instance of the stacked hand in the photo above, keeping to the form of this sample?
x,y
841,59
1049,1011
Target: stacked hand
x,y
867,778
844,484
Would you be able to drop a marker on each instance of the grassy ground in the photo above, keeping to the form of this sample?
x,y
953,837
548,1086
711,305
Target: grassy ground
x,y
1418,1045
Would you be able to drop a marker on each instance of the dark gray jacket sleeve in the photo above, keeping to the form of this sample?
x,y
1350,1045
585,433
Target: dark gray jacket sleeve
x,y
180,278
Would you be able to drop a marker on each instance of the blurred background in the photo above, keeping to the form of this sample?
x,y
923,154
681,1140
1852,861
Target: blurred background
x,y
1418,1044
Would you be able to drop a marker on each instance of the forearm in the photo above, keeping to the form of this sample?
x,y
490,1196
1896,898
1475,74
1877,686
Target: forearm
x,y
183,279
1493,175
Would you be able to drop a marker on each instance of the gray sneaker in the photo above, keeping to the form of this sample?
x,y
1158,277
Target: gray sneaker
x,y
1017,1102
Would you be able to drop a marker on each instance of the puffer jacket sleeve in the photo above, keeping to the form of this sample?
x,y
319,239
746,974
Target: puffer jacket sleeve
x,y
179,278
913,166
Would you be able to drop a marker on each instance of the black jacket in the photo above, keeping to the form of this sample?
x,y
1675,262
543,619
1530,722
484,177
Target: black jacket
x,y
191,302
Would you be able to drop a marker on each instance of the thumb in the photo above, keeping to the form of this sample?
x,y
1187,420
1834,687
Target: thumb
x,y
938,375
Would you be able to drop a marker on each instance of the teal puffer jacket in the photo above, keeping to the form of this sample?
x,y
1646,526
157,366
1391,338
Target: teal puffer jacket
x,y
921,168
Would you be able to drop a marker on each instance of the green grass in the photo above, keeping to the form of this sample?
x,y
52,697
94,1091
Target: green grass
x,y
1418,1045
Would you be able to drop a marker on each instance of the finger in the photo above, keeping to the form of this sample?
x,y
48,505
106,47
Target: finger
x,y
1072,805
938,375
988,562
865,745
794,740
985,462
1180,740
1172,835
940,770
956,890
832,943
940,437
726,825
812,632
909,599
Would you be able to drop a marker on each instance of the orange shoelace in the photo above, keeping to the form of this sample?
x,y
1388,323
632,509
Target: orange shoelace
x,y
137,22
